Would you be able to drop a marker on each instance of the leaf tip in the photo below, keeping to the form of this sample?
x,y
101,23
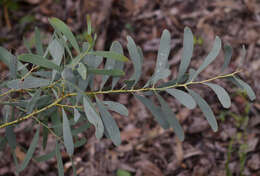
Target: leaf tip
x,y
125,59
187,29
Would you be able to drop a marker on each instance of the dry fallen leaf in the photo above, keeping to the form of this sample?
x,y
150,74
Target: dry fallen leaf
x,y
254,162
148,168
19,154
178,150
130,134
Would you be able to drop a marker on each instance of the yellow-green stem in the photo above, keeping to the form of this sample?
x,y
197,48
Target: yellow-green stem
x,y
56,102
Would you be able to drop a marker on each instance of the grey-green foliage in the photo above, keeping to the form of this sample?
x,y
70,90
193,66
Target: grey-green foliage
x,y
38,42
28,83
61,27
38,60
182,97
170,117
59,159
136,58
118,65
155,110
30,151
67,137
93,117
187,52
9,132
61,96
110,126
210,58
228,53
221,94
161,69
205,108
110,64
117,107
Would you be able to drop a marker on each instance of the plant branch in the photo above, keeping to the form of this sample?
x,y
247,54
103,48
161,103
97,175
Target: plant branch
x,y
50,130
69,106
56,102
22,90
33,113
29,72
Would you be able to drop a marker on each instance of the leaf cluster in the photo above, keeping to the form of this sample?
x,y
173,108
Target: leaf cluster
x,y
54,85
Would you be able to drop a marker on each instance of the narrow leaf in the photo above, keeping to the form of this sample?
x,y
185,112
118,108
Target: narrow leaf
x,y
243,58
27,45
191,74
45,133
221,94
56,50
80,129
15,161
38,42
187,52
68,140
33,101
82,71
243,85
38,60
129,83
111,72
3,142
73,167
56,123
80,142
160,75
205,108
59,160
110,55
45,157
28,83
6,56
68,75
13,67
89,25
63,28
210,58
174,81
51,154
63,41
182,97
162,56
76,114
93,117
141,54
117,107
91,60
137,61
118,65
110,64
228,54
164,51
43,74
171,118
109,123
155,110
9,130
30,151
